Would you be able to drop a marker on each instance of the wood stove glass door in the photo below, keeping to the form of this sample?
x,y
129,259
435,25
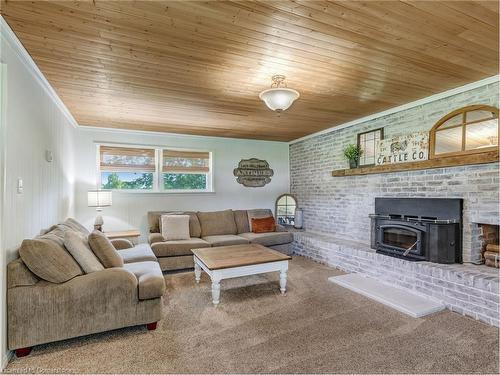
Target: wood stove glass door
x,y
400,237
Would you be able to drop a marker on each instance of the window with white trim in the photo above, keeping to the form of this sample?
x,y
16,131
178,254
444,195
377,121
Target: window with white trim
x,y
127,168
185,170
154,169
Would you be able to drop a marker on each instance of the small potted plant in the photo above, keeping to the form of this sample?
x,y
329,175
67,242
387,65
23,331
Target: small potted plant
x,y
352,153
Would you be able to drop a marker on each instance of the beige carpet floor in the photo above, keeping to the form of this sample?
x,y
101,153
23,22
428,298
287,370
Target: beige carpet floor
x,y
318,327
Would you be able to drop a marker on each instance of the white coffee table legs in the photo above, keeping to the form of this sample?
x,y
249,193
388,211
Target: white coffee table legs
x,y
283,281
215,291
227,273
197,272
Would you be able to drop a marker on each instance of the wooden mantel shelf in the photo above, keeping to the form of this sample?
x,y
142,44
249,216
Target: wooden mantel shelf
x,y
450,161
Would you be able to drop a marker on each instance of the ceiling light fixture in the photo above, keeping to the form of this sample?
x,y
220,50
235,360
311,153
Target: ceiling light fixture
x,y
279,97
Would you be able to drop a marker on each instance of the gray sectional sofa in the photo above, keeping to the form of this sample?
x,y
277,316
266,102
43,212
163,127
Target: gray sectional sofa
x,y
40,311
209,229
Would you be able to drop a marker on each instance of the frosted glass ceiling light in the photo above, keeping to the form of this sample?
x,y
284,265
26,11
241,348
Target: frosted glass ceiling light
x,y
279,97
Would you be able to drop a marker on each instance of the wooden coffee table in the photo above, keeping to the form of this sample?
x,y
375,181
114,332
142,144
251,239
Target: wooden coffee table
x,y
226,262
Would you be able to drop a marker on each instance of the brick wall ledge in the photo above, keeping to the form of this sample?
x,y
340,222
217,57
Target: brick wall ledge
x,y
464,288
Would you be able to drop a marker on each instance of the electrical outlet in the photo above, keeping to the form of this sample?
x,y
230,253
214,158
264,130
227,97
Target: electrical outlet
x,y
20,187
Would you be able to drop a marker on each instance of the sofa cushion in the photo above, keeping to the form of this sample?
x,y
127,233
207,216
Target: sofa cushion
x,y
217,222
138,253
19,275
56,234
154,221
268,239
264,225
225,240
49,260
78,246
258,214
176,248
155,237
104,250
175,227
74,225
151,283
241,219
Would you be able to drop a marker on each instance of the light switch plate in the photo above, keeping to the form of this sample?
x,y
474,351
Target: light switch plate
x,y
20,187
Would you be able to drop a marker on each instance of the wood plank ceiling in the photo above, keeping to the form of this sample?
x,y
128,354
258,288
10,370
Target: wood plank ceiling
x,y
197,67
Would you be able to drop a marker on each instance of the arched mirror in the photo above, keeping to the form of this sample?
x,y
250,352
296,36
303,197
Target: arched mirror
x,y
467,130
285,209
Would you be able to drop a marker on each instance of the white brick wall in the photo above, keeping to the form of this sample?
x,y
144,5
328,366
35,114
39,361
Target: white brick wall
x,y
340,205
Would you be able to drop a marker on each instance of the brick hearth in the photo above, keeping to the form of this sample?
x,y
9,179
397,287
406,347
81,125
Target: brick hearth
x,y
465,288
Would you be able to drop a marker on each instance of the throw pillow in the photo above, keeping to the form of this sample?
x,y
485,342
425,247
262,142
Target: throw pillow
x,y
49,260
259,213
175,227
263,225
104,250
78,246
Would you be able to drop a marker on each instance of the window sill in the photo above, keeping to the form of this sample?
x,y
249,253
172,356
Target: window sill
x,y
117,191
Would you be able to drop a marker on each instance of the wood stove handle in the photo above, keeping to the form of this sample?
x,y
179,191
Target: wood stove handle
x,y
411,247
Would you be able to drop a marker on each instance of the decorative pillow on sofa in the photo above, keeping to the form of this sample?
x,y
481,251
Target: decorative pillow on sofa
x,y
175,227
259,213
78,246
263,225
104,250
49,260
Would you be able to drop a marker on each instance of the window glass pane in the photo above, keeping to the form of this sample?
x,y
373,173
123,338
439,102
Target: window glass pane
x,y
455,120
448,140
481,134
285,209
367,143
184,181
369,136
479,115
127,180
281,210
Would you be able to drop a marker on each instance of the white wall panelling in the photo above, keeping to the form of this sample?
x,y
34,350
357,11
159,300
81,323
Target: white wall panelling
x,y
34,122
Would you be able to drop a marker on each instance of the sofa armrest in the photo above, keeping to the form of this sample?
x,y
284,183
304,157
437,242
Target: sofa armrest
x,y
121,243
86,304
155,237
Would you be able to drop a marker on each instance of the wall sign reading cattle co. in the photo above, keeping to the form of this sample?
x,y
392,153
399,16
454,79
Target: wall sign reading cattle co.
x,y
402,149
253,172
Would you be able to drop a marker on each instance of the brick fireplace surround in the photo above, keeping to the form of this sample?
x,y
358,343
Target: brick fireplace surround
x,y
336,209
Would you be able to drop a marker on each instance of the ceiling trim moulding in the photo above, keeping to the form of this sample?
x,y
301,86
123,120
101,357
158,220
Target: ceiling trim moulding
x,y
11,39
428,99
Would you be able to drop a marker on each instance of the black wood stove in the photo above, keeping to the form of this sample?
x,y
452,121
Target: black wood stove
x,y
418,229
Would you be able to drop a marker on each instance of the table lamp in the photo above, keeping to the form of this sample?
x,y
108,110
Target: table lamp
x,y
99,199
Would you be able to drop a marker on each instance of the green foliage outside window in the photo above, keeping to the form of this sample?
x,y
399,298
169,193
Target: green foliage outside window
x,y
184,181
126,180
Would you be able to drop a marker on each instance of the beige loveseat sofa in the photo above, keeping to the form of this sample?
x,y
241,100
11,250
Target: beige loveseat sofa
x,y
39,311
208,229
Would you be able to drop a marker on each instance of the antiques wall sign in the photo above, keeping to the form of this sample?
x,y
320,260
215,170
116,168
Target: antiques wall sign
x,y
402,149
253,172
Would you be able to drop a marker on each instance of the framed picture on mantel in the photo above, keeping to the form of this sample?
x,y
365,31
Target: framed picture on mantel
x,y
367,141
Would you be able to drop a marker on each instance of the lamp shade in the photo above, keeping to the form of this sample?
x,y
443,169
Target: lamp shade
x,y
99,198
280,98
